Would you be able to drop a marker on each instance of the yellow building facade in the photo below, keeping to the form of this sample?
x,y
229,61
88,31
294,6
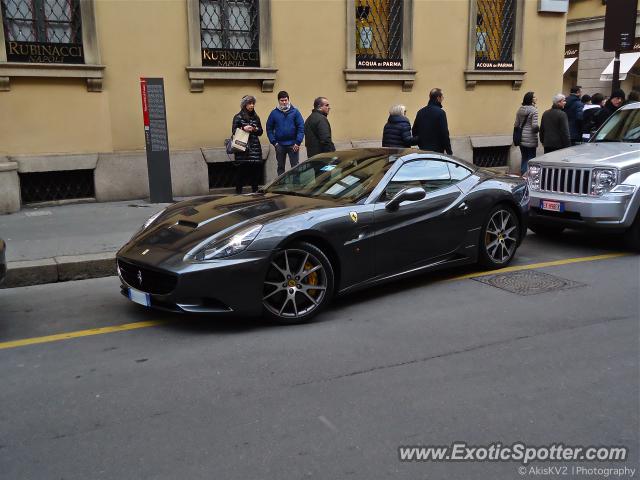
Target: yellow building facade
x,y
586,63
61,117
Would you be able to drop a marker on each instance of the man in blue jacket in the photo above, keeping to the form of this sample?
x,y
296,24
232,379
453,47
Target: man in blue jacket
x,y
285,129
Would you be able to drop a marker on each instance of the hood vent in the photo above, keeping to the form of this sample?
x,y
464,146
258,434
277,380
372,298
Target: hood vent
x,y
187,223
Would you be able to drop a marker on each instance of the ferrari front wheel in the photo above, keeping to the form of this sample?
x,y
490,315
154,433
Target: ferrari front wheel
x,y
298,284
499,237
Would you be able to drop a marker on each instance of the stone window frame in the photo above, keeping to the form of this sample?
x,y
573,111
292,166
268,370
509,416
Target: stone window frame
x,y
197,73
407,76
92,70
515,76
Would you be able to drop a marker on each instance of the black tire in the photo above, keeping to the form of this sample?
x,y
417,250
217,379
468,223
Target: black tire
x,y
632,235
298,284
546,230
499,237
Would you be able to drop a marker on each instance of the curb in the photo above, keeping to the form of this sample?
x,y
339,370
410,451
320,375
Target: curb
x,y
60,269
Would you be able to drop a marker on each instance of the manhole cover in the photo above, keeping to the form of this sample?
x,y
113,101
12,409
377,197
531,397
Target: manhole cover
x,y
528,282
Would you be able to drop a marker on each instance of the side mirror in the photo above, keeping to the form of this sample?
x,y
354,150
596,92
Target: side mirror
x,y
412,194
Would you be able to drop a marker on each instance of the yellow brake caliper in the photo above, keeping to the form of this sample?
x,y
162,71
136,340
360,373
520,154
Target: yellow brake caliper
x,y
312,278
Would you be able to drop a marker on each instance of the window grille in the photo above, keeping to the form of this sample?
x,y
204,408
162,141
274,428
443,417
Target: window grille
x,y
223,175
379,34
229,24
495,33
491,156
51,186
44,21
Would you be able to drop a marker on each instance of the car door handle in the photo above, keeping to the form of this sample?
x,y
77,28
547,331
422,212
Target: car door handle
x,y
463,206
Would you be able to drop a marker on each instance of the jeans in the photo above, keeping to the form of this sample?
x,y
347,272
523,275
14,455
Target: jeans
x,y
281,156
527,154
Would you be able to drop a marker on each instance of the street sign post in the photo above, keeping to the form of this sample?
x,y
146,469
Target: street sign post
x,y
156,140
619,32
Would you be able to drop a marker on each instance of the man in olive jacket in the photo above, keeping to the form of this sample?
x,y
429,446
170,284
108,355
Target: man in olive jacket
x,y
554,126
317,131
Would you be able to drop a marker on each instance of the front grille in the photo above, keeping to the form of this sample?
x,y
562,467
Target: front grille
x,y
572,181
154,282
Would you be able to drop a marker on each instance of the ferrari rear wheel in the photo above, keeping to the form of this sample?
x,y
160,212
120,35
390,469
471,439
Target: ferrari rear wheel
x,y
298,284
500,236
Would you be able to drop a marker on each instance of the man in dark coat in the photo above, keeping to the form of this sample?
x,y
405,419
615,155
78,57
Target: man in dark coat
x,y
317,130
615,101
574,110
430,125
554,126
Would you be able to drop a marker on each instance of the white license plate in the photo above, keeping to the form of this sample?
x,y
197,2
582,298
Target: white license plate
x,y
551,206
139,297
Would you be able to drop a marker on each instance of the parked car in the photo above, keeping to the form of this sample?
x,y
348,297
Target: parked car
x,y
593,185
3,260
337,222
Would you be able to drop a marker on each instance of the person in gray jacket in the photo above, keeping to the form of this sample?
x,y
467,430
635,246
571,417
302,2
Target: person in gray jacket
x,y
527,118
554,127
317,131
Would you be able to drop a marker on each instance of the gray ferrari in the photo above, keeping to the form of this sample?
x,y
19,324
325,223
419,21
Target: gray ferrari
x,y
336,223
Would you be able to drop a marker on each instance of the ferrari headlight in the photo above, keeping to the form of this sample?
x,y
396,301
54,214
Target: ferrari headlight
x,y
533,175
230,245
603,180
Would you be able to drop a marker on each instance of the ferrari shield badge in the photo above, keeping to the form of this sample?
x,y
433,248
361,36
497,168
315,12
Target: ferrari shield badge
x,y
354,216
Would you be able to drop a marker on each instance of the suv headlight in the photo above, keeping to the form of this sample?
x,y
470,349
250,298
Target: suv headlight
x,y
533,175
603,180
229,245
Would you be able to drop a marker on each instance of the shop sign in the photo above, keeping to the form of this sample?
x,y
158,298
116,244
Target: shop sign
x,y
620,25
37,52
366,62
571,50
219,57
482,64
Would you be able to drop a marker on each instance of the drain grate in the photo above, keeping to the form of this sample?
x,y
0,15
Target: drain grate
x,y
528,282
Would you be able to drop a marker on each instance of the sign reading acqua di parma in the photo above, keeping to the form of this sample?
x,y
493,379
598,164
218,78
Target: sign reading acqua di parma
x,y
36,52
219,57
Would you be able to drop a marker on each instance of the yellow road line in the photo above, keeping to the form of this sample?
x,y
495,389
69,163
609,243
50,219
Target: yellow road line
x,y
533,266
154,323
80,333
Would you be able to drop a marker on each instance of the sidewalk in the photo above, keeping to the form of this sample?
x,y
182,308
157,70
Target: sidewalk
x,y
69,242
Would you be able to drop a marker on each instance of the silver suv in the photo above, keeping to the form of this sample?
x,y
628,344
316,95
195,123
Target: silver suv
x,y
596,184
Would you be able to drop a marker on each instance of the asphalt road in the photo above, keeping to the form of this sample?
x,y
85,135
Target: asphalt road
x,y
426,361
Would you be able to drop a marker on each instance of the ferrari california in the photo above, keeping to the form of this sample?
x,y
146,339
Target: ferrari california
x,y
337,222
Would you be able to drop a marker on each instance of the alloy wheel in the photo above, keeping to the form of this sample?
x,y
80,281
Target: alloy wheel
x,y
296,284
500,238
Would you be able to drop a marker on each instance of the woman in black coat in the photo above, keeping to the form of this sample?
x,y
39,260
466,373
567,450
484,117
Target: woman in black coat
x,y
397,131
249,162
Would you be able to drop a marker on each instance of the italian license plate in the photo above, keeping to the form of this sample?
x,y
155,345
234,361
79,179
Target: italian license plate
x,y
139,297
551,206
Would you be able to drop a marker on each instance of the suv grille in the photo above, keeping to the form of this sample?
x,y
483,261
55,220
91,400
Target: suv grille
x,y
154,282
573,181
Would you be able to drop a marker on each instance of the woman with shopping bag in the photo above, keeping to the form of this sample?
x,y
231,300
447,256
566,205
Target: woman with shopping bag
x,y
248,162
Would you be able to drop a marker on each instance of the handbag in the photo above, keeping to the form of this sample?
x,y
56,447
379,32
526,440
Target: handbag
x,y
239,141
517,131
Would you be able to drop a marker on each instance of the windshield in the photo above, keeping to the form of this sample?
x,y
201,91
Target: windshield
x,y
350,175
623,126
